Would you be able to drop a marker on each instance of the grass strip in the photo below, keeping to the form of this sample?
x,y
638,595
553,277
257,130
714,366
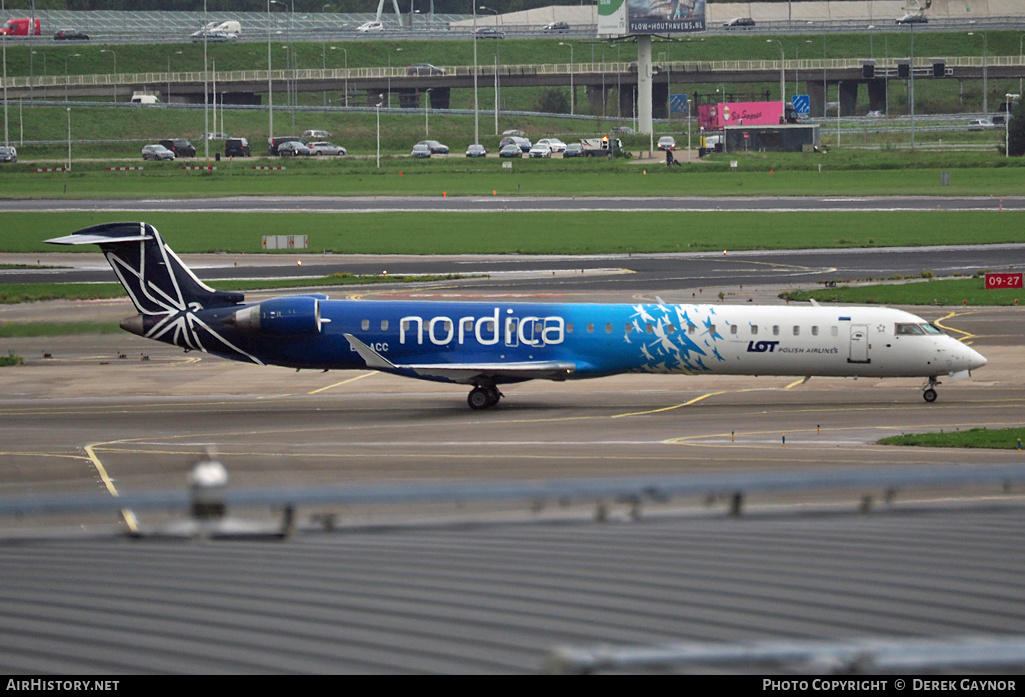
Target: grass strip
x,y
502,232
12,293
943,292
1002,439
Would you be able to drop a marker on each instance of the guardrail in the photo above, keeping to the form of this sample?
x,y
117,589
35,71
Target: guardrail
x,y
679,67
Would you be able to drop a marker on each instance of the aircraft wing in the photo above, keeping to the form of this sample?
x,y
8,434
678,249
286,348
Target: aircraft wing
x,y
466,372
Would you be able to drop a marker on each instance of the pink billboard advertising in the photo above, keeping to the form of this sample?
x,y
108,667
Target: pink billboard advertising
x,y
712,117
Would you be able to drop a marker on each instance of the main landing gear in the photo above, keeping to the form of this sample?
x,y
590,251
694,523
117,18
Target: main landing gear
x,y
483,396
929,390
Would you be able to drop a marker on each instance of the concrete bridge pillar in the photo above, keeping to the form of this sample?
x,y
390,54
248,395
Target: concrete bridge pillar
x,y
597,99
877,95
817,96
848,96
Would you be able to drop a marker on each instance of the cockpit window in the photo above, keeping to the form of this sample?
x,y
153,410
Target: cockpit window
x,y
916,329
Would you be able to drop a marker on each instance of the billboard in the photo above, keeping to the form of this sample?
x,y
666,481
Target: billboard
x,y
623,17
712,117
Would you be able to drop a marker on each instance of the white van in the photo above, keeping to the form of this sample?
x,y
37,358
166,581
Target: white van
x,y
141,98
228,30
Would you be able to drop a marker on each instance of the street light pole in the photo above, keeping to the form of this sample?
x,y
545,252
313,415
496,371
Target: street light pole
x,y
782,71
427,111
270,82
3,42
571,90
1007,122
69,139
476,106
498,60
380,100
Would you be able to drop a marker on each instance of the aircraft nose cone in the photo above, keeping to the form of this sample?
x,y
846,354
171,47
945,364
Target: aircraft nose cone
x,y
973,359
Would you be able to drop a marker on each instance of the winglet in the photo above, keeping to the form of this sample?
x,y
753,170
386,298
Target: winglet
x,y
371,357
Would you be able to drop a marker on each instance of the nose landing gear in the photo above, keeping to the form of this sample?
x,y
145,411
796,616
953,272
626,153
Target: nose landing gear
x,y
483,396
929,390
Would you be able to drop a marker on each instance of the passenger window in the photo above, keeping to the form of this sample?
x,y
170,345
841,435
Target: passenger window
x,y
590,327
834,331
733,329
711,329
670,328
814,331
365,324
754,330
691,329
775,330
384,325
629,328
649,328
797,330
569,327
608,327
468,326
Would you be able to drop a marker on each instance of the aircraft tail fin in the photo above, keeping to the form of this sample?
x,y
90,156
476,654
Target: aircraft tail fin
x,y
157,281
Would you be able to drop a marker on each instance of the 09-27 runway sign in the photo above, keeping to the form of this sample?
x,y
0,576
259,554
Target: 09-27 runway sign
x,y
997,281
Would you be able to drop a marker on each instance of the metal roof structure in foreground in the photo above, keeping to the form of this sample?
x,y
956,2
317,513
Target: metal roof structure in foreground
x,y
486,596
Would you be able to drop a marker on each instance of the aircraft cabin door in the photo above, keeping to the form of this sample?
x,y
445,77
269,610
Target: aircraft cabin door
x,y
859,344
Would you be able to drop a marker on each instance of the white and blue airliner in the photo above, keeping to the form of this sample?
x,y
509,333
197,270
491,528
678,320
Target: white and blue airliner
x,y
488,344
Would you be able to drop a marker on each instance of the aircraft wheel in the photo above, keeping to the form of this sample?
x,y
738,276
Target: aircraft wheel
x,y
479,398
929,395
493,395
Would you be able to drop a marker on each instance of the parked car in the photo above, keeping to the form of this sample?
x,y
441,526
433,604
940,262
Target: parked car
x,y
539,150
436,147
981,125
273,143
424,69
368,27
421,149
156,151
522,143
476,150
511,150
8,154
215,136
667,143
316,135
574,150
912,18
181,147
554,143
293,148
489,33
739,23
555,28
514,132
70,35
237,147
322,147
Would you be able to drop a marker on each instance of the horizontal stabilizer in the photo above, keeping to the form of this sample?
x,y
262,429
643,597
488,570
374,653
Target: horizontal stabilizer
x,y
97,239
466,373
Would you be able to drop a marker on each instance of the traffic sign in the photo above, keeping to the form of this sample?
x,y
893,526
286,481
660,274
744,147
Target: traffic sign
x,y
678,104
802,103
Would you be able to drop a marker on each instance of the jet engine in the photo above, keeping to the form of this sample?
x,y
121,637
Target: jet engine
x,y
291,315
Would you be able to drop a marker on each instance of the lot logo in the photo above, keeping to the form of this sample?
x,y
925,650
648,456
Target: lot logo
x,y
761,346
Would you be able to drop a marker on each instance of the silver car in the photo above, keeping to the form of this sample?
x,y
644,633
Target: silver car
x,y
8,154
156,152
322,147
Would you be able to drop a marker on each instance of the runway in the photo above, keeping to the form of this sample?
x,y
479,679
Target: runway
x,y
371,204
